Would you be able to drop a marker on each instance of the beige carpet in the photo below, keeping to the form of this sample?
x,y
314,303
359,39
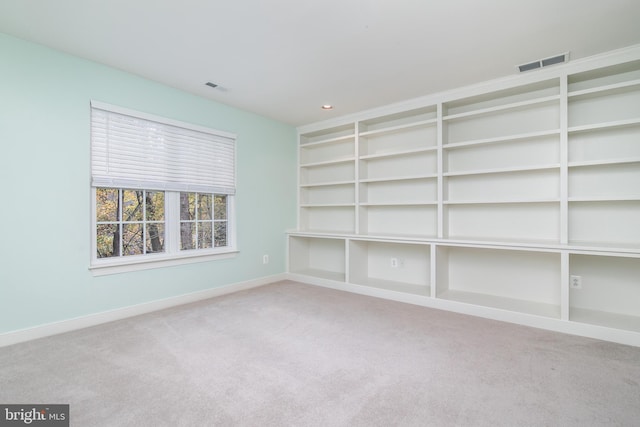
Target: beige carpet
x,y
289,354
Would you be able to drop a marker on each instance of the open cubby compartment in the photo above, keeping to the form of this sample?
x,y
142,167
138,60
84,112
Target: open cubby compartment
x,y
512,122
610,291
339,149
604,77
396,221
327,219
527,185
404,191
505,98
612,181
523,281
413,138
318,257
605,144
346,131
504,222
328,194
603,107
398,120
328,173
405,166
401,267
605,223
525,152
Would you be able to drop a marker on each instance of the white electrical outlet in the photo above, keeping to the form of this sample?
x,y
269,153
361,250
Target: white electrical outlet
x,y
265,259
394,262
575,282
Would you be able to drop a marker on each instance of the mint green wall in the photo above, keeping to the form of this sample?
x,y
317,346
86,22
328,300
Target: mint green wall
x,y
44,170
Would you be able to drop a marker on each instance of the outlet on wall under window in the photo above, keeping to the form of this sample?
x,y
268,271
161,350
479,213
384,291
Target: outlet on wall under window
x,y
575,282
265,259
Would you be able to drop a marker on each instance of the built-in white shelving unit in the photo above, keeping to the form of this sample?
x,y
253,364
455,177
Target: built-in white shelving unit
x,y
524,281
322,257
501,161
517,200
327,191
398,267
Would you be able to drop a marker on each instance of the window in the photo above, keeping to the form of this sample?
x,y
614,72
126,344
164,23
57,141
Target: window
x,y
129,222
162,190
203,220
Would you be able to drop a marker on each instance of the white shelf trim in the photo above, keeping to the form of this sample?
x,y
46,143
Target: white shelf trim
x,y
503,303
514,105
504,170
323,274
630,198
328,162
328,184
392,129
501,139
327,141
433,203
398,178
606,88
615,249
603,318
391,285
327,205
399,153
604,125
501,201
619,161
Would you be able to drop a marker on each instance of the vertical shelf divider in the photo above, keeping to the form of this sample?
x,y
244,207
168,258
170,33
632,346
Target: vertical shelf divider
x,y
298,183
356,209
347,260
434,269
564,285
440,171
564,161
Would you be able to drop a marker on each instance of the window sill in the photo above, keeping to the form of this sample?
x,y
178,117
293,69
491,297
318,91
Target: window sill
x,y
105,267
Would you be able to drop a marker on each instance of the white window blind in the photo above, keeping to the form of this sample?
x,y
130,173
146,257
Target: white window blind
x,y
138,151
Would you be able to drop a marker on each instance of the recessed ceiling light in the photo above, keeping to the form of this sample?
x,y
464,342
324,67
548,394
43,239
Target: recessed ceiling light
x,y
327,107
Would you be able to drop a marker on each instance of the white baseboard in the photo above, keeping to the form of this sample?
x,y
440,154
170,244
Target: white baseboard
x,y
563,326
69,325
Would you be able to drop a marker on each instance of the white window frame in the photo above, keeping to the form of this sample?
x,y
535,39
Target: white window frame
x,y
172,255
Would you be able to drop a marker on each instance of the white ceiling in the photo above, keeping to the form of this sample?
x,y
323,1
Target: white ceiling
x,y
285,58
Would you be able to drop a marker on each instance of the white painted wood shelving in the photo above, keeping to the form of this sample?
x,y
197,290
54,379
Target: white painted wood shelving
x,y
488,200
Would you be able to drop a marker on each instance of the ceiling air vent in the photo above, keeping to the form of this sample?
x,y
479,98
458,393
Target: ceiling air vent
x,y
529,66
555,60
558,59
